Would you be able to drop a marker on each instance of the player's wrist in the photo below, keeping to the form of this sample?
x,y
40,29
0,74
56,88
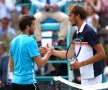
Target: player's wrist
x,y
53,52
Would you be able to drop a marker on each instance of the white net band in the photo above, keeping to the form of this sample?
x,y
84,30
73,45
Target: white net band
x,y
84,87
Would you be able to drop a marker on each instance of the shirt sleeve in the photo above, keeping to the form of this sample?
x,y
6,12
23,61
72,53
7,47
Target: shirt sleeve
x,y
92,37
33,49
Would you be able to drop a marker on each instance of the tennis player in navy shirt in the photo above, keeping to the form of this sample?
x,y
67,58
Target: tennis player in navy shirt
x,y
90,59
23,52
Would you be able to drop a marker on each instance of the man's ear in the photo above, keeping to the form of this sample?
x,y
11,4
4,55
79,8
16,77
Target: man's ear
x,y
27,27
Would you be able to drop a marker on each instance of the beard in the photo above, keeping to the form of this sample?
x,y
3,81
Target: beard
x,y
31,32
74,24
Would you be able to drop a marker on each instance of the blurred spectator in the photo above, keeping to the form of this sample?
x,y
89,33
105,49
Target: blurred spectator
x,y
10,4
5,75
7,33
104,34
96,4
25,10
14,12
92,18
51,9
3,10
104,13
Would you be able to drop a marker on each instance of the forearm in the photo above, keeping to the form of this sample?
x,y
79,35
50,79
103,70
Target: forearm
x,y
45,59
97,7
61,54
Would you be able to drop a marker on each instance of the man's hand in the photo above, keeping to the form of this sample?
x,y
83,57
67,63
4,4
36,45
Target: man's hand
x,y
43,50
55,7
50,49
75,65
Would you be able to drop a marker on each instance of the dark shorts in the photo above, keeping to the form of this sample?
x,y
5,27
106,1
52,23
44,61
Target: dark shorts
x,y
25,87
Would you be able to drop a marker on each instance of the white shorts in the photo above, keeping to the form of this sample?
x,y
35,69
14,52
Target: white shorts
x,y
92,81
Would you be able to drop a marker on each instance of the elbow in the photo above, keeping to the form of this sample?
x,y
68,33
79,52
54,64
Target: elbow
x,y
103,55
40,65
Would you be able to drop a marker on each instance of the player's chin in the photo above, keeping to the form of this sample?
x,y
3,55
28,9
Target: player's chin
x,y
73,24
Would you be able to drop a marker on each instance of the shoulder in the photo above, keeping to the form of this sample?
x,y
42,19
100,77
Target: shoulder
x,y
32,39
88,29
14,40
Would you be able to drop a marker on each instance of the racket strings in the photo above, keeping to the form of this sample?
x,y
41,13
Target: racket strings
x,y
71,52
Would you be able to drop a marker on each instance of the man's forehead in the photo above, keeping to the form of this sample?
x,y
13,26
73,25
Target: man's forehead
x,y
70,13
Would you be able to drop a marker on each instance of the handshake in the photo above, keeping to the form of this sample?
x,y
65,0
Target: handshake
x,y
47,48
52,51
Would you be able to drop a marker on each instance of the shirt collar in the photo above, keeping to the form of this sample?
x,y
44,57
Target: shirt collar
x,y
82,28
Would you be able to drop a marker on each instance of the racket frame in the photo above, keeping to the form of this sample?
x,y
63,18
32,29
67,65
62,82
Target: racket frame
x,y
75,58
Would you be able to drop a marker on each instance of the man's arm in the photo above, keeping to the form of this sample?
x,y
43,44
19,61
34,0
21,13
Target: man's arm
x,y
42,61
97,57
61,54
11,65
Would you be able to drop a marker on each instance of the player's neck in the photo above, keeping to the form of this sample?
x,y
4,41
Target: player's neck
x,y
25,32
80,23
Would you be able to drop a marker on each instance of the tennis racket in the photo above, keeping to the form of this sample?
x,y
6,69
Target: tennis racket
x,y
73,50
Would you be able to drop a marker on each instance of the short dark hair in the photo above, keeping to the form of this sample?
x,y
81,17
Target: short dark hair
x,y
25,20
78,9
